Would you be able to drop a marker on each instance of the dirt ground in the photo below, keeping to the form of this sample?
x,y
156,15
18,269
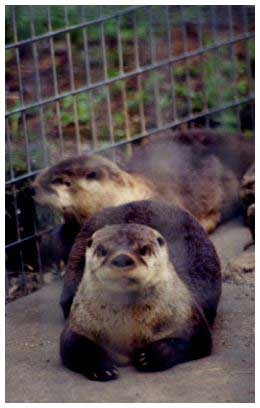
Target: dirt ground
x,y
34,372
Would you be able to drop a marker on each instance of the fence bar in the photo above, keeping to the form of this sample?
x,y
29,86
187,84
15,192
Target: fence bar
x,y
17,211
139,78
35,236
169,125
88,82
38,88
21,90
123,84
65,30
187,74
153,57
233,59
170,54
107,90
127,75
174,124
248,64
205,102
55,83
72,81
245,28
216,52
24,237
9,148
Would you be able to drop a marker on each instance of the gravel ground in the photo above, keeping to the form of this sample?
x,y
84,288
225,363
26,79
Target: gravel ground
x,y
34,372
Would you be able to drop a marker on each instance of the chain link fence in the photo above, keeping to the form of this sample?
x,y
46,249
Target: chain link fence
x,y
96,78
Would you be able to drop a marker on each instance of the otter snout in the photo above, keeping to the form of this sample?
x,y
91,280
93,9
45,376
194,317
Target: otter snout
x,y
122,261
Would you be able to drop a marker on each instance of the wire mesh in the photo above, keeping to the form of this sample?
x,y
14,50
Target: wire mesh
x,y
92,78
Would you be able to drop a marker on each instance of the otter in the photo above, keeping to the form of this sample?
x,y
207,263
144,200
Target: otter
x,y
144,282
199,170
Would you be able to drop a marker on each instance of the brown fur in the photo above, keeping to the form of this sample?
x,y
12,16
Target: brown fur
x,y
159,319
191,253
114,318
199,170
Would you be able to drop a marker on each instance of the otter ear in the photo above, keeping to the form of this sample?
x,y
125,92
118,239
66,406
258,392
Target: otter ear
x,y
94,174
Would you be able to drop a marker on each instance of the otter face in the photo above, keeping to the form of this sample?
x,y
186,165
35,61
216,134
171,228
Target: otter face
x,y
126,257
82,185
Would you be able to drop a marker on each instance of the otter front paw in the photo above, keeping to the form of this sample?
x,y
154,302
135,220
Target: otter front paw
x,y
102,373
157,356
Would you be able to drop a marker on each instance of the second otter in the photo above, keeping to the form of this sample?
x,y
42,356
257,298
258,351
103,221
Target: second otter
x,y
197,170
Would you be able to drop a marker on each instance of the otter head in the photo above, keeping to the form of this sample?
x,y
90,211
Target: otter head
x,y
83,185
126,257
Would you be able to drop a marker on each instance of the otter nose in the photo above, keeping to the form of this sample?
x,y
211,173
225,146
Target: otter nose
x,y
122,261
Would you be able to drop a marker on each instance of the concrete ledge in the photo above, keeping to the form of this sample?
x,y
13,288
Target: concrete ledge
x,y
34,372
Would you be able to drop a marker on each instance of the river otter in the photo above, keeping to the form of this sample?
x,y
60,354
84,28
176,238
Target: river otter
x,y
199,170
147,282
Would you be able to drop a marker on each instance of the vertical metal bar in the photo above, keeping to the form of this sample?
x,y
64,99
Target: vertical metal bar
x,y
88,81
170,55
153,58
245,29
123,85
139,79
55,83
104,57
216,54
205,102
72,81
9,147
38,87
187,75
234,71
17,211
248,64
21,90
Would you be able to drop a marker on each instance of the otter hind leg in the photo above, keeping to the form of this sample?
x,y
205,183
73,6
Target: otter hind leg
x,y
84,356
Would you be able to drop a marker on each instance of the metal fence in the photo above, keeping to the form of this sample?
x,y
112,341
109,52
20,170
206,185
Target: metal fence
x,y
82,78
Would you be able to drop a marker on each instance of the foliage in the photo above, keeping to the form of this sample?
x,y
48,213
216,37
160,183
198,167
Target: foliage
x,y
209,80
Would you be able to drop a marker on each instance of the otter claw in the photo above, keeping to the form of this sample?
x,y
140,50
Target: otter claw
x,y
103,375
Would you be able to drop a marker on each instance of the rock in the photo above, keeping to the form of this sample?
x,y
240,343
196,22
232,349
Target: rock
x,y
241,269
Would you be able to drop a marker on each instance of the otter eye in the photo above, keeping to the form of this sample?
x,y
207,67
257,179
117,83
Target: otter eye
x,y
145,250
160,241
89,243
57,180
93,175
101,251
